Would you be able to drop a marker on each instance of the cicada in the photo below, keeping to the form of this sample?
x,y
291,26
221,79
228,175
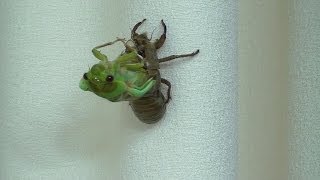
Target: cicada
x,y
133,76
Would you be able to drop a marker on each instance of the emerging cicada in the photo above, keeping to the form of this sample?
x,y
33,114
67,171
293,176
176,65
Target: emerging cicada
x,y
133,76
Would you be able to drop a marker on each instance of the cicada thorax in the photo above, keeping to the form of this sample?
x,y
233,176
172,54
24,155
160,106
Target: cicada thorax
x,y
151,107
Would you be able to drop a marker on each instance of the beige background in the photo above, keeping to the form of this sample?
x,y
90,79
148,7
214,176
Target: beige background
x,y
263,87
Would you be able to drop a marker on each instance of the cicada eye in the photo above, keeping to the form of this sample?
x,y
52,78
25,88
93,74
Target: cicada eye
x,y
109,78
85,76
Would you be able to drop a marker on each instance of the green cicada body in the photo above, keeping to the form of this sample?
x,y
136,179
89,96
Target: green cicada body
x,y
123,79
133,76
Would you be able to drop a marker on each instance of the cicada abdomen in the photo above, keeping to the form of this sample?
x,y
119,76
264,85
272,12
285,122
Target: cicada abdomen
x,y
149,109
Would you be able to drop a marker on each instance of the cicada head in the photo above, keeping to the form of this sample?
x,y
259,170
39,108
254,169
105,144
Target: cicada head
x,y
103,81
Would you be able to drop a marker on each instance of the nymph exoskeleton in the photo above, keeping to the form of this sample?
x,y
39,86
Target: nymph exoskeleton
x,y
134,76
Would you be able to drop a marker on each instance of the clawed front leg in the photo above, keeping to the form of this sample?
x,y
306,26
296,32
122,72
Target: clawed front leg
x,y
169,58
159,42
133,31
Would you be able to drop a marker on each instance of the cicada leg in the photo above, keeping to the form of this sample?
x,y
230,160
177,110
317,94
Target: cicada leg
x,y
108,43
133,31
159,42
169,58
124,42
166,82
142,90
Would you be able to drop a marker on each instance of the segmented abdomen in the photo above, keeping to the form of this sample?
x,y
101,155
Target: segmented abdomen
x,y
149,109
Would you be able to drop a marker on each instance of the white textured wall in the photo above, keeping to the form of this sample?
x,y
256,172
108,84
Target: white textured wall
x,y
197,137
51,130
304,89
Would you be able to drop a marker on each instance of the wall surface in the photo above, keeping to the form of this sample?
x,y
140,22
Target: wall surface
x,y
50,129
197,138
263,88
304,89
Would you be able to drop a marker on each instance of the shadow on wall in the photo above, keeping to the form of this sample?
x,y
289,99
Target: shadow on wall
x,y
101,134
